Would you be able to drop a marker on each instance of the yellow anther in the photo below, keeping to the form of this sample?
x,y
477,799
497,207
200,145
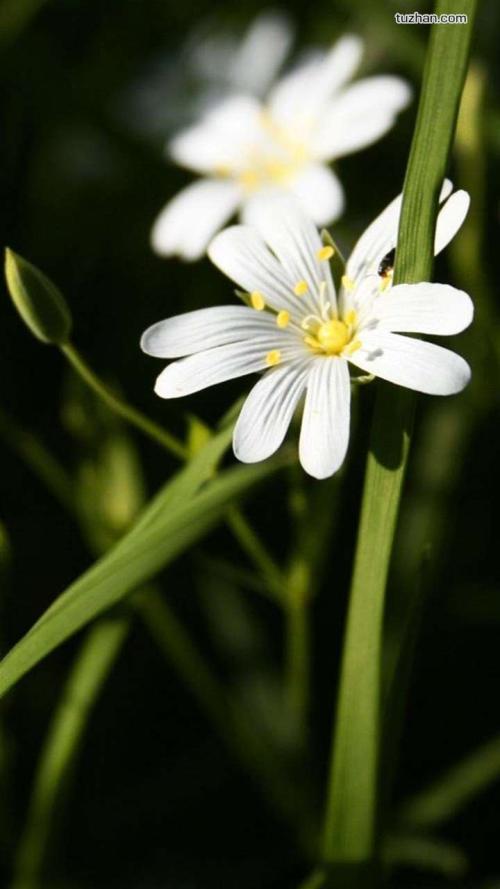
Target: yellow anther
x,y
283,318
385,282
257,300
301,288
352,347
273,358
350,318
325,252
347,282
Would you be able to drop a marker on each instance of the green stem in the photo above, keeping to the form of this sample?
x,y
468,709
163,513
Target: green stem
x,y
231,721
121,407
256,551
298,658
89,673
241,528
350,840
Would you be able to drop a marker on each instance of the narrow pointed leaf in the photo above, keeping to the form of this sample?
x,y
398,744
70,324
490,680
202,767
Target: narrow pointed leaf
x,y
173,521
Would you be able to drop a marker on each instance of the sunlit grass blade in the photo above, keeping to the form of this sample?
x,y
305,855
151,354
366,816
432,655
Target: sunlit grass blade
x,y
91,669
351,821
167,527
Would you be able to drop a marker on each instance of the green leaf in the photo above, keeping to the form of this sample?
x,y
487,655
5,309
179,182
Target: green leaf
x,y
90,671
40,304
350,833
173,521
449,794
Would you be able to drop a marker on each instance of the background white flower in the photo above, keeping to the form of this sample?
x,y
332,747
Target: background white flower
x,y
242,146
303,334
213,63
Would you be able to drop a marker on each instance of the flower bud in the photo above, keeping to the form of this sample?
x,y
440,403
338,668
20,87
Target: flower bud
x,y
40,304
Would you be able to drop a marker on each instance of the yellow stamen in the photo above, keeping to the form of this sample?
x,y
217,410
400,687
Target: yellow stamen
x,y
273,357
350,318
301,288
347,283
283,318
257,300
352,347
385,282
325,253
311,342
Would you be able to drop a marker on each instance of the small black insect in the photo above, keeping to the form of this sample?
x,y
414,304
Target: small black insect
x,y
387,264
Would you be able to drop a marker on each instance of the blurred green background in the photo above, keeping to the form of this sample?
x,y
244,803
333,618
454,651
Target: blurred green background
x,y
90,91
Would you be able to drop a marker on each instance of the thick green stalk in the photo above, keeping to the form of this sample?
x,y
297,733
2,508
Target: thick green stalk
x,y
350,842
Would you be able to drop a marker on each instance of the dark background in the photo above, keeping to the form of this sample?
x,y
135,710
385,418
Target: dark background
x,y
156,800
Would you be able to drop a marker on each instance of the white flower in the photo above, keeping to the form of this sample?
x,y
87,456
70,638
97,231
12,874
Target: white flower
x,y
177,86
243,146
304,335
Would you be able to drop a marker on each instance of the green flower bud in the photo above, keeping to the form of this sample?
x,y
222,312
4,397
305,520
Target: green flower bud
x,y
40,304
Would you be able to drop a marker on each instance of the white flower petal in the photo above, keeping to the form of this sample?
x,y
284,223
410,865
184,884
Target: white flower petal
x,y
359,116
268,411
221,138
450,219
320,193
424,308
241,253
324,434
380,237
261,53
295,240
226,362
412,363
205,329
188,222
300,95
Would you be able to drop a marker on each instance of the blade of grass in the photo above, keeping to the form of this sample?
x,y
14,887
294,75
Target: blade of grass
x,y
350,839
95,660
451,792
165,529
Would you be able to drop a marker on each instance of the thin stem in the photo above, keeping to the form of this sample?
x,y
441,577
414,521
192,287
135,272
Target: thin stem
x,y
230,719
121,407
308,558
252,545
240,526
298,649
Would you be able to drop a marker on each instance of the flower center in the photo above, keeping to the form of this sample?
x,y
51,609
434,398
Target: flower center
x,y
332,336
274,159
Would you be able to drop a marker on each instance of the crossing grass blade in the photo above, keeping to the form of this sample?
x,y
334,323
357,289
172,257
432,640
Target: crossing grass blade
x,y
174,520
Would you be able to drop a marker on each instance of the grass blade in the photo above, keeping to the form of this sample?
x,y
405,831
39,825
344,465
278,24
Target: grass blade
x,y
96,658
350,831
168,526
